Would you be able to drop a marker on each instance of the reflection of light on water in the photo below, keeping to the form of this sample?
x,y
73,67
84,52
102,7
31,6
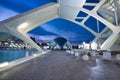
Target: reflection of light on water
x,y
34,55
27,54
4,64
98,66
98,63
97,71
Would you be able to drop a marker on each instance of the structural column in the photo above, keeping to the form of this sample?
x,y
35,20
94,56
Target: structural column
x,y
110,41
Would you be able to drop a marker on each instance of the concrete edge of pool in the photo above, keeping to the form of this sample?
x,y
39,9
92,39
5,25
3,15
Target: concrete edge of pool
x,y
7,65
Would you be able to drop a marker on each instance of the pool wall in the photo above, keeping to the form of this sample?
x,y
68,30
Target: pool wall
x,y
19,61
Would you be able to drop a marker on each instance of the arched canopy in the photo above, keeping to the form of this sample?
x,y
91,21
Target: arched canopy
x,y
61,28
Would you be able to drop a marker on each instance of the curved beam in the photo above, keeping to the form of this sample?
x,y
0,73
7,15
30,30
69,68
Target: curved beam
x,y
84,26
109,42
70,9
95,15
21,24
98,36
99,5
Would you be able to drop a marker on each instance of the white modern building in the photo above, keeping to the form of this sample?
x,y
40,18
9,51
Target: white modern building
x,y
100,18
89,24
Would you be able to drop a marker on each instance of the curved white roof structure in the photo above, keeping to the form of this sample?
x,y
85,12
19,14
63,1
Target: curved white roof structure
x,y
97,17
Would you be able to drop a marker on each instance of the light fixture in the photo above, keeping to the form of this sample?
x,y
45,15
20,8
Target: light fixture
x,y
22,26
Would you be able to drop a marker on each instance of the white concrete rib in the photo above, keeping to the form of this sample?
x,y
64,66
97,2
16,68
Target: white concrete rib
x,y
48,12
33,18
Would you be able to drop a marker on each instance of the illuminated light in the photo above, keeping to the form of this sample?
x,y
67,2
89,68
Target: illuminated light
x,y
10,45
68,51
16,44
81,46
6,43
22,26
84,43
4,64
85,57
43,52
47,43
34,55
72,52
94,45
27,54
76,54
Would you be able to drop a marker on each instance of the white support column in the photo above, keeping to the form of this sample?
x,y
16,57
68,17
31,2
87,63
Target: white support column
x,y
110,41
23,37
19,25
70,12
26,39
116,6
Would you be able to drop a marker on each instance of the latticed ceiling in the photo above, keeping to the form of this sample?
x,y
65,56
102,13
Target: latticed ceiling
x,y
109,14
60,27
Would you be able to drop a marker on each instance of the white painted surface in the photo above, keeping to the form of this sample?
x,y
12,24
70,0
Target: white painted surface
x,y
76,54
70,8
107,55
19,25
85,57
118,57
4,64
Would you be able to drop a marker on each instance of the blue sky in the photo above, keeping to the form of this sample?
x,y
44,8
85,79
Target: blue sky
x,y
52,29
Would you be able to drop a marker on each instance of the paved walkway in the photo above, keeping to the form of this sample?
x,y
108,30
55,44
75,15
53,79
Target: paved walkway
x,y
57,65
